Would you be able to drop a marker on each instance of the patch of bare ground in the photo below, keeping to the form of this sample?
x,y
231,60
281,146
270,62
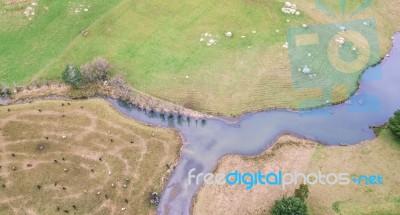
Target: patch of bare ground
x,y
289,154
379,156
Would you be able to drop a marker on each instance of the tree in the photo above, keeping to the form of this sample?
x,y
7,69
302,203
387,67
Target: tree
x,y
302,192
289,206
394,124
96,70
72,76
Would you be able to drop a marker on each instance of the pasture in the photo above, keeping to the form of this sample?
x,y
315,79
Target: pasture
x,y
80,157
156,45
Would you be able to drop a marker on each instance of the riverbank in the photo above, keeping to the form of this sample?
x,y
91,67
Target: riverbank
x,y
379,156
120,91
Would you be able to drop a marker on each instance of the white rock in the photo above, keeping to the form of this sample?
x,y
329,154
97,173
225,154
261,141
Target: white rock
x,y
202,39
288,4
206,34
340,40
306,70
297,13
211,41
254,32
305,25
243,36
288,10
228,34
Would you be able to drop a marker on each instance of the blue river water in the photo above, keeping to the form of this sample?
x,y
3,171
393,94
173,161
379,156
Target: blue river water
x,y
377,98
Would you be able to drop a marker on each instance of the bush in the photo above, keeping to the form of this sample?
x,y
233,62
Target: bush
x,y
289,206
96,70
72,76
394,124
302,192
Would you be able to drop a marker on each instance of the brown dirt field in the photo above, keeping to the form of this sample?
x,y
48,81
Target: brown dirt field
x,y
293,155
379,156
95,167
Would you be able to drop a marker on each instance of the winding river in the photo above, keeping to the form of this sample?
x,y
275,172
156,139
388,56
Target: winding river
x,y
207,141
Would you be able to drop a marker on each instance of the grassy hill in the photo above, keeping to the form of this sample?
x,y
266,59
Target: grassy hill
x,y
156,46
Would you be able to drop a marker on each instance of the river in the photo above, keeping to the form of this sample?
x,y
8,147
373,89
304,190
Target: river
x,y
374,103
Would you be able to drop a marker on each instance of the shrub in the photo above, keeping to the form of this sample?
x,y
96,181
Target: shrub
x,y
96,70
394,124
72,76
302,192
289,206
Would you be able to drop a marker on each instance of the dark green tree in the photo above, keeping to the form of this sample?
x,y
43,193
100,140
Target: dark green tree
x,y
302,192
394,124
289,206
72,76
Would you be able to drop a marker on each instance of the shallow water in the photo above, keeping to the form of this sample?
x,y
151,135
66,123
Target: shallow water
x,y
373,104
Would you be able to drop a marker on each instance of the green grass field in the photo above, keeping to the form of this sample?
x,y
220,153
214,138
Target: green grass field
x,y
89,169
156,46
370,158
